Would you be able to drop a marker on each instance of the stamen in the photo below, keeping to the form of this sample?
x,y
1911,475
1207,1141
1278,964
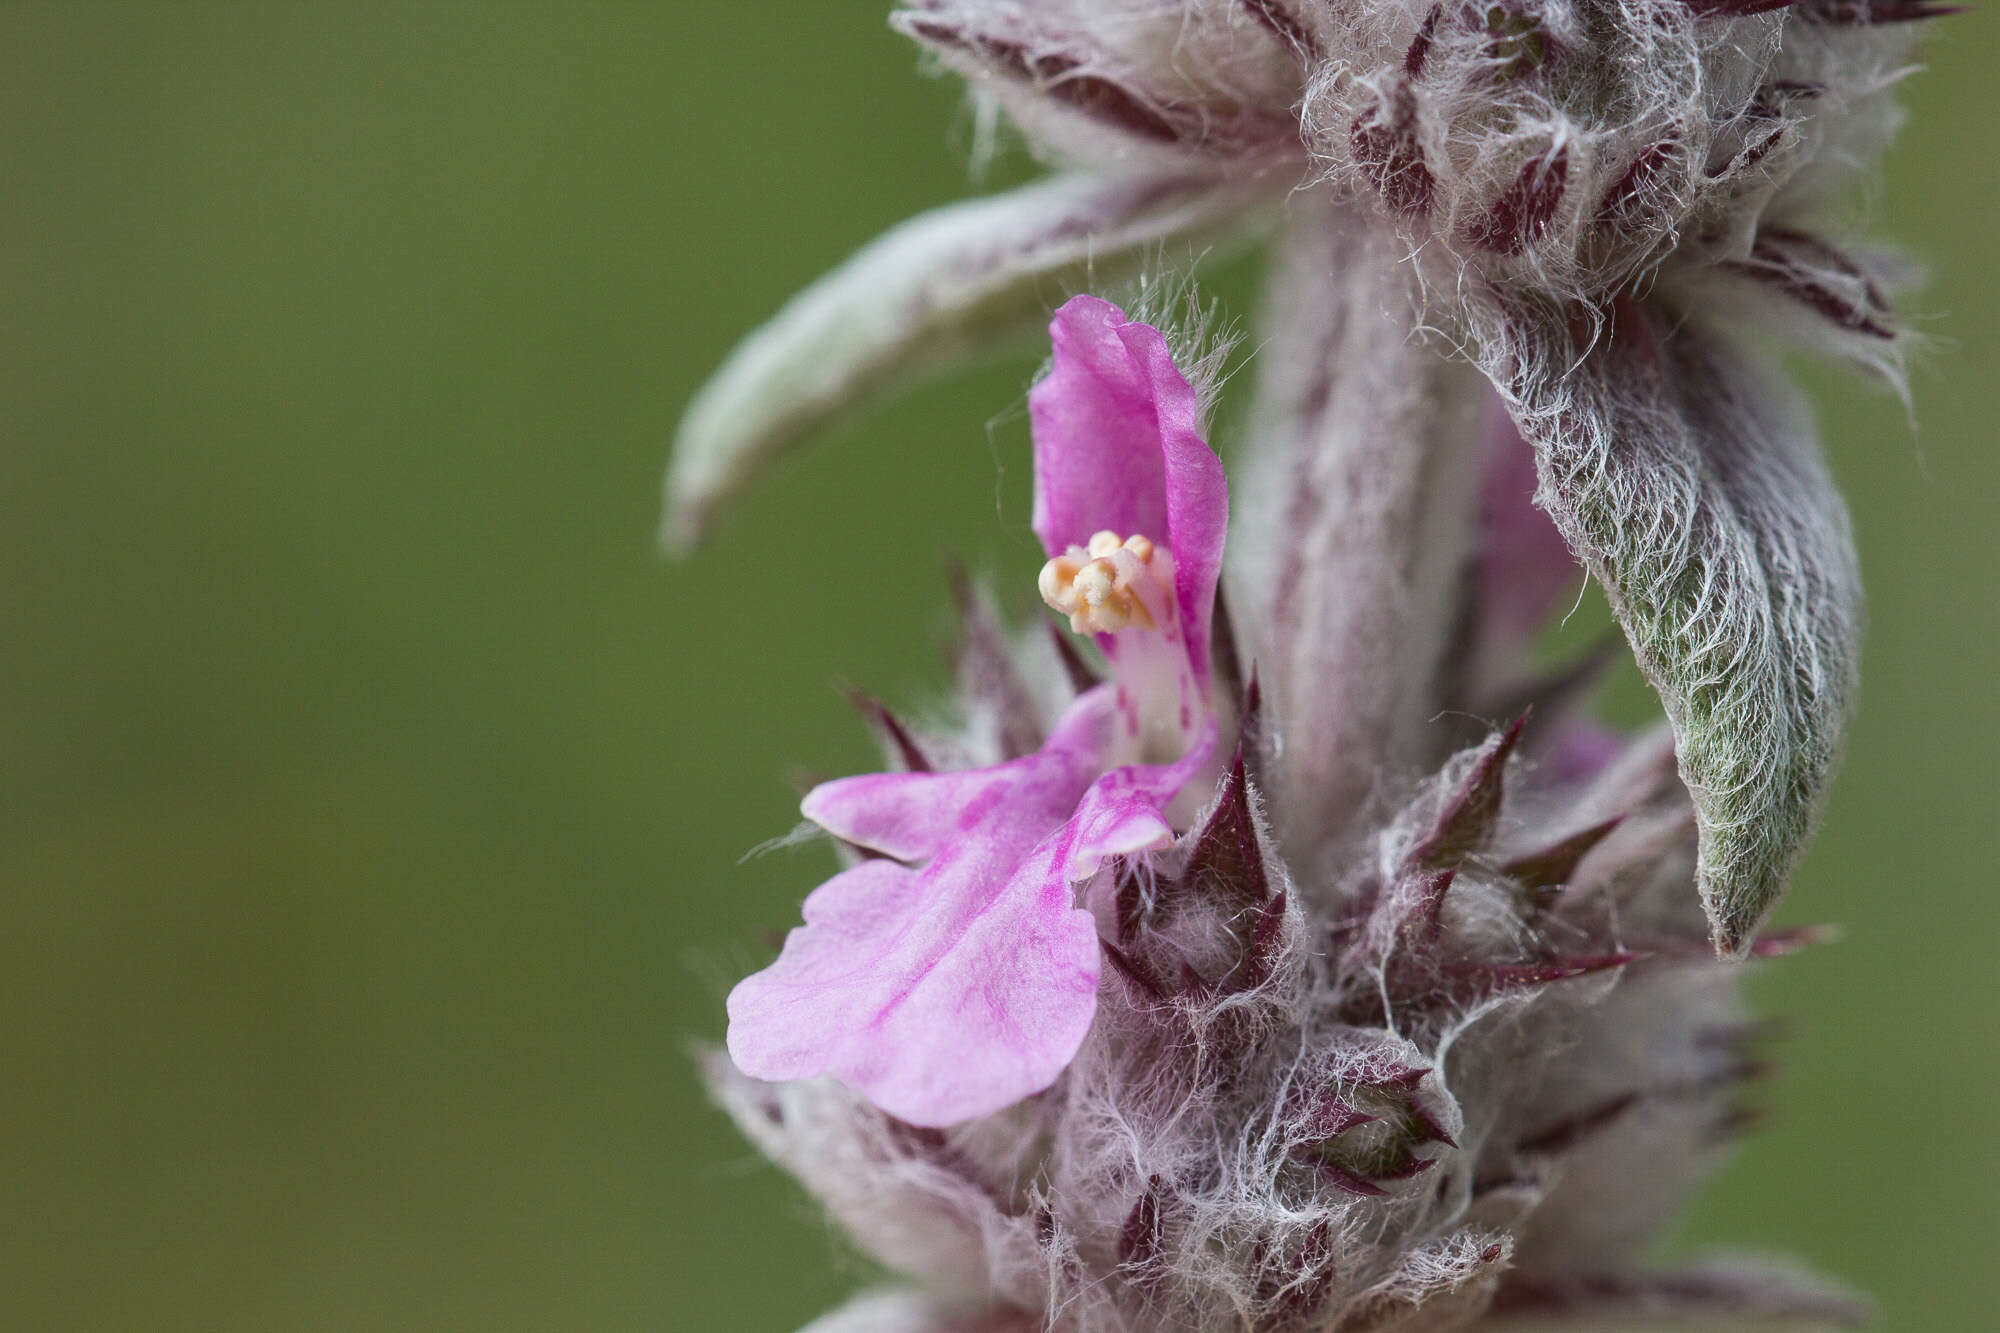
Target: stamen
x,y
1103,587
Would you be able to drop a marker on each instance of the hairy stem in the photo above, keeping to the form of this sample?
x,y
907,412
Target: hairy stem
x,y
1360,514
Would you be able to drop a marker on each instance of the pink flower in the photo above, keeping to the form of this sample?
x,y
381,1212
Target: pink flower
x,y
956,972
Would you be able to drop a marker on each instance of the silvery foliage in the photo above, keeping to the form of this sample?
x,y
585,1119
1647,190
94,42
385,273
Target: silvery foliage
x,y
1399,1037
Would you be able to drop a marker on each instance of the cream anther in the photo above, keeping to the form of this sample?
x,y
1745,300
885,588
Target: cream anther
x,y
1095,582
1104,586
1055,579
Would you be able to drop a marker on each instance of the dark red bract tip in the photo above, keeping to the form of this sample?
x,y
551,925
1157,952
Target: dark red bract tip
x,y
1140,1240
1347,1181
891,729
1282,22
1127,967
1401,1077
1227,860
1386,148
1419,51
1522,213
1469,813
1553,865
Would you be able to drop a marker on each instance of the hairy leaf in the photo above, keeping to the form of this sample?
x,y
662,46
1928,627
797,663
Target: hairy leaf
x,y
936,291
1683,470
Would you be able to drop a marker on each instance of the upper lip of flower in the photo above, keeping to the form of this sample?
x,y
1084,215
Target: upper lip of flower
x,y
956,974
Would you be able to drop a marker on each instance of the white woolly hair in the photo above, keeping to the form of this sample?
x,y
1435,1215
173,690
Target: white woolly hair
x,y
1202,339
1566,147
1168,1181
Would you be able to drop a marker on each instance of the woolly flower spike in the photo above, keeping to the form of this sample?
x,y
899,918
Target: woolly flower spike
x,y
955,973
1121,1041
1599,204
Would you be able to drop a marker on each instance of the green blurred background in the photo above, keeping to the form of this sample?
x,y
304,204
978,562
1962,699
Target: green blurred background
x,y
374,796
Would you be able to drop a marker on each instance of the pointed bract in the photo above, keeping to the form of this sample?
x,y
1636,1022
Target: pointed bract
x,y
1134,972
1551,866
1466,820
1227,860
895,736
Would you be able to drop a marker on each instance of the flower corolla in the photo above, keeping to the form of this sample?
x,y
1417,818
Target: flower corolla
x,y
953,971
